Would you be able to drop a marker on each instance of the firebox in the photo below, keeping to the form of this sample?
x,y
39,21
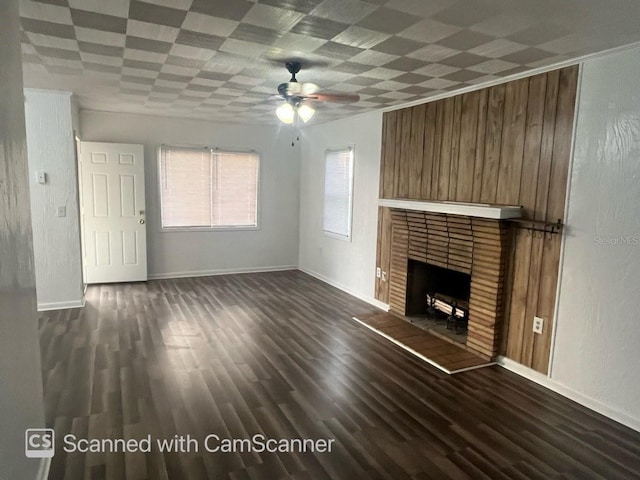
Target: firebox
x,y
423,279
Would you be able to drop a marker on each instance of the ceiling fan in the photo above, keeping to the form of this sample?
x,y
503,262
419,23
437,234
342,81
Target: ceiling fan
x,y
298,96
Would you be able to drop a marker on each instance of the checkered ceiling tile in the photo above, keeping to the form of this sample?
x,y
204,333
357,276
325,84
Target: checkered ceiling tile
x,y
222,60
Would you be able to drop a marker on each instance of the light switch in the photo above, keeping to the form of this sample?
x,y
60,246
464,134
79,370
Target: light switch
x,y
62,211
41,177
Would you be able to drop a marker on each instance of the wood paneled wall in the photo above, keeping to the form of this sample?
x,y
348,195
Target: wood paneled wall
x,y
508,144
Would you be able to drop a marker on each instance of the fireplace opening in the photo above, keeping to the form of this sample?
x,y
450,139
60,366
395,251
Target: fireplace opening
x,y
423,279
440,296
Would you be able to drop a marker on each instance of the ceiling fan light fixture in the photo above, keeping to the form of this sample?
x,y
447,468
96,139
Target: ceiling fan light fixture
x,y
305,112
285,113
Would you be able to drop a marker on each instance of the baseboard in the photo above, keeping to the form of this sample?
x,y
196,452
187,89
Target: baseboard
x,y
279,268
43,307
585,401
43,470
370,300
220,271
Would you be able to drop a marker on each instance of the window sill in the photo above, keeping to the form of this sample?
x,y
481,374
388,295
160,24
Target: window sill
x,y
208,229
337,237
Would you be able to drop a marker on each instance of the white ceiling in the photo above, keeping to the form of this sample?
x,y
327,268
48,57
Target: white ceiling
x,y
222,60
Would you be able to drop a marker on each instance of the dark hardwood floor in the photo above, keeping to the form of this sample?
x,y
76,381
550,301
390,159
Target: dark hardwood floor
x,y
278,354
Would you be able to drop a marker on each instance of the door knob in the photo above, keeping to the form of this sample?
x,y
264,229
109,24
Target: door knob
x,y
141,221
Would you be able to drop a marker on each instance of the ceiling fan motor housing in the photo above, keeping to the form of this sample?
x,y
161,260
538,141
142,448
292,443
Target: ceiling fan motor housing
x,y
293,68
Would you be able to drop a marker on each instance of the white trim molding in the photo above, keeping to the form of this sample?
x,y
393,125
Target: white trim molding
x,y
219,271
479,210
364,298
44,307
585,401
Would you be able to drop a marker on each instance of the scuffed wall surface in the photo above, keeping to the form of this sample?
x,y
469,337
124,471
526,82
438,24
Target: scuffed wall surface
x,y
21,404
56,240
596,350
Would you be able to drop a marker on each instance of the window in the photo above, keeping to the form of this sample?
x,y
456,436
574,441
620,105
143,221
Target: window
x,y
338,192
208,189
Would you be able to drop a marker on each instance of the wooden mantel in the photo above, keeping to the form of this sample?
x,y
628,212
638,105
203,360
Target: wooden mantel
x,y
477,210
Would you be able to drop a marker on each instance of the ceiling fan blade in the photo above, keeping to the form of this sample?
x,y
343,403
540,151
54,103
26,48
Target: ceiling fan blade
x,y
296,89
308,88
336,97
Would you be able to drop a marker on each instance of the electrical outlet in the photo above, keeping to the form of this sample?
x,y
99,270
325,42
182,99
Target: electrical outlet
x,y
384,276
538,324
378,272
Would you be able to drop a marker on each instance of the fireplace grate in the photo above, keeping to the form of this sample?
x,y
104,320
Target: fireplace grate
x,y
457,310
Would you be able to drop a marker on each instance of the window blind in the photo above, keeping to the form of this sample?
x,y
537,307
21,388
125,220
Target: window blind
x,y
338,192
207,189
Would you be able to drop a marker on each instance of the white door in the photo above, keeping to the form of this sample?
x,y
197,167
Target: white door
x,y
113,212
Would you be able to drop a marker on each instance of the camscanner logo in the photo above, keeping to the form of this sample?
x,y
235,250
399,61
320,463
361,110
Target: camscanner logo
x,y
39,442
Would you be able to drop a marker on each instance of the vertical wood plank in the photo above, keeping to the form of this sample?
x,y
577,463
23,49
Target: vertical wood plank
x,y
533,296
445,149
437,150
493,143
562,147
384,242
456,135
546,303
391,121
546,147
379,245
481,136
428,152
468,143
383,154
397,155
515,109
532,144
518,296
508,286
416,150
405,156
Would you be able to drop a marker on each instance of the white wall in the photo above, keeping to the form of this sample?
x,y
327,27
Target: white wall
x,y
56,240
21,404
347,265
273,246
597,342
75,116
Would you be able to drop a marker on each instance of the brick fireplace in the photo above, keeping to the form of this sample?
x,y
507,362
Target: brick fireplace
x,y
470,245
